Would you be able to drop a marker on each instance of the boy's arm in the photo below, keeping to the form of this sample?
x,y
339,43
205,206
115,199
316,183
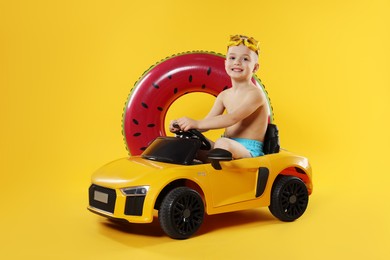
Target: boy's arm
x,y
215,119
249,104
186,123
217,108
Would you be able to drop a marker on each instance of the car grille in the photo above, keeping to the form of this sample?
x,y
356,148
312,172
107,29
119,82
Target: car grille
x,y
102,198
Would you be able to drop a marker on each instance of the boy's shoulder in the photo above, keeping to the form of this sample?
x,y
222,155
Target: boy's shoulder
x,y
225,92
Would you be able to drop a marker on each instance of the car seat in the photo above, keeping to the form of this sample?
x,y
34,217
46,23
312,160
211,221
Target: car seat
x,y
271,140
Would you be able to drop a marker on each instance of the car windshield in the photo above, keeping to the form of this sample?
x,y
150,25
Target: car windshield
x,y
172,150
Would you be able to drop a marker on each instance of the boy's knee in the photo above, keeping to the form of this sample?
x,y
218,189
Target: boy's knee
x,y
222,143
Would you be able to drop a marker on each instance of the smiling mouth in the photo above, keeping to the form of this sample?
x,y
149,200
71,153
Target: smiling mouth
x,y
237,70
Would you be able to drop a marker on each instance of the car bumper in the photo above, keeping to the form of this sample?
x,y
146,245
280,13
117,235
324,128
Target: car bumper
x,y
111,203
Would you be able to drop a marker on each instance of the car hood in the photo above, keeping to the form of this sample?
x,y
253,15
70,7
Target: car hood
x,y
130,172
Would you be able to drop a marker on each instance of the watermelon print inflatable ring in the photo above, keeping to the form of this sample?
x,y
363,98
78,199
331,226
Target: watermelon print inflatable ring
x,y
168,80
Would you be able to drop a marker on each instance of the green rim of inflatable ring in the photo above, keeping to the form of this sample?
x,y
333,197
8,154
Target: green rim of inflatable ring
x,y
163,83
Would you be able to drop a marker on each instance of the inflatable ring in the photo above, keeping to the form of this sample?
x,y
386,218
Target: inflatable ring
x,y
168,80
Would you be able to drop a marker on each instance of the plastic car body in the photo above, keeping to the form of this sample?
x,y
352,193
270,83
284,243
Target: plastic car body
x,y
168,179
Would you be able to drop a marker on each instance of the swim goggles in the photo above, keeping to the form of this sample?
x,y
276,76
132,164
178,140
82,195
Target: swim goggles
x,y
249,42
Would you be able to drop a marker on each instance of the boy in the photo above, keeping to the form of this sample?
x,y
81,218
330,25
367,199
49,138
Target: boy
x,y
246,119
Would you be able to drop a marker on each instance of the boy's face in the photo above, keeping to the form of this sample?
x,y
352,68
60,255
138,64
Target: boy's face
x,y
241,62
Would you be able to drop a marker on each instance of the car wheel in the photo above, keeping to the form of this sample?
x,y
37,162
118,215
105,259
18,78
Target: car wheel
x,y
181,213
289,198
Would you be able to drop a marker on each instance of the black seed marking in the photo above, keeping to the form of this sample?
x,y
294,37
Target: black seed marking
x,y
144,105
151,125
203,86
137,134
135,121
160,108
208,71
169,76
175,91
155,86
190,78
143,148
225,88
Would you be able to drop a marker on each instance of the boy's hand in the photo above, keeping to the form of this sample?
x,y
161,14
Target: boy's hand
x,y
174,127
186,123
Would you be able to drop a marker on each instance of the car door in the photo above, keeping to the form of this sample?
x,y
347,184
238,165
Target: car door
x,y
236,182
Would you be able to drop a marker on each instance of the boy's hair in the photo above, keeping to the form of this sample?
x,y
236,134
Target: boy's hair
x,y
249,42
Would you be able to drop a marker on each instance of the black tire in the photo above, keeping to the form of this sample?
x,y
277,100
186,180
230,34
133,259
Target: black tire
x,y
289,198
181,213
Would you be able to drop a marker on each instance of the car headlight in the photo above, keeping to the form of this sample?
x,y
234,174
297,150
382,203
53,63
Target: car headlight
x,y
135,191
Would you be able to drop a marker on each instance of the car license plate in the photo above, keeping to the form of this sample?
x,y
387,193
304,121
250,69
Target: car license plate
x,y
100,196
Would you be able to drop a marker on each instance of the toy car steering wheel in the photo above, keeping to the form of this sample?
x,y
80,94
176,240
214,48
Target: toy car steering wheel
x,y
193,133
205,143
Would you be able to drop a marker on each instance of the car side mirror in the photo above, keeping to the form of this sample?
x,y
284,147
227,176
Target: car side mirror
x,y
217,155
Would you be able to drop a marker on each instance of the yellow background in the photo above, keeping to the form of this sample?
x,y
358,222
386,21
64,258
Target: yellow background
x,y
66,68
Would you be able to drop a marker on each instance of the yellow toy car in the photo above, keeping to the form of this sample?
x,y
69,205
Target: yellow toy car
x,y
168,178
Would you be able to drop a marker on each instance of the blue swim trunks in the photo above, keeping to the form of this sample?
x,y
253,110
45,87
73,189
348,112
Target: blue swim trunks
x,y
253,146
